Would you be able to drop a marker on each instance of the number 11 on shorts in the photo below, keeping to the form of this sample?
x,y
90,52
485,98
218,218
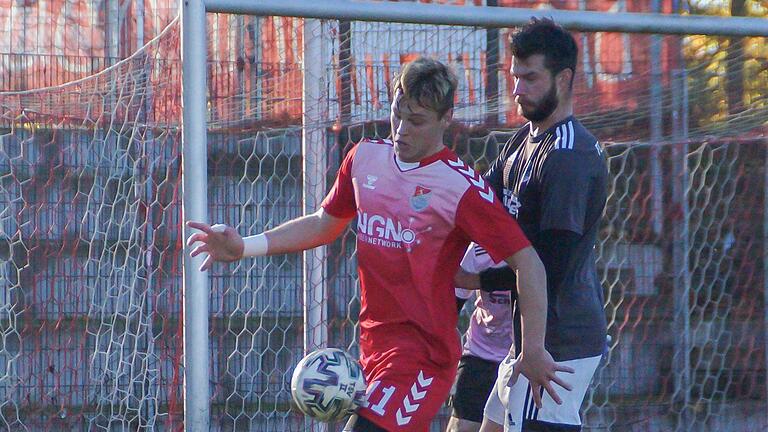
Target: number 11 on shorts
x,y
378,407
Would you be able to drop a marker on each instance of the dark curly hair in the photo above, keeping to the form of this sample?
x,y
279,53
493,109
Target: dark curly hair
x,y
544,36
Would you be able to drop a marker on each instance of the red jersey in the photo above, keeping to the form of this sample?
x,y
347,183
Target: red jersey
x,y
413,226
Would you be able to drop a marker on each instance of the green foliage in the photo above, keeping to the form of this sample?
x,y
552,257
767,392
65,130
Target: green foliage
x,y
718,66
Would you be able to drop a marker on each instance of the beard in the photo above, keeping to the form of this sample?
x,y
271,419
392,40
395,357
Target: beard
x,y
544,108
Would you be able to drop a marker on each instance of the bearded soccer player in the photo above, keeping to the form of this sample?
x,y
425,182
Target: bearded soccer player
x,y
417,206
552,175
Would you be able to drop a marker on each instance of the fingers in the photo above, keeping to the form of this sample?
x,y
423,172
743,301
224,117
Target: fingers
x,y
564,368
200,236
198,250
536,393
196,237
207,263
562,383
204,227
552,393
205,238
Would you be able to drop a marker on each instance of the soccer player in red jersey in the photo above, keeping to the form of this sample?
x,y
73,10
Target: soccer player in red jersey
x,y
417,206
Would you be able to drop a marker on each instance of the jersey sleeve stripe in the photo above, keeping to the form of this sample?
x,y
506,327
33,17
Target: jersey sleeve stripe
x,y
479,250
564,143
474,178
570,135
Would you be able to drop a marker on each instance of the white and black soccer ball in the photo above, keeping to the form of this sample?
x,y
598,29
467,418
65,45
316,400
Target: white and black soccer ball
x,y
328,385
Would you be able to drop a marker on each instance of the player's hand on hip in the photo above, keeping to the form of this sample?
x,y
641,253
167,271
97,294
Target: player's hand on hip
x,y
466,280
220,242
541,370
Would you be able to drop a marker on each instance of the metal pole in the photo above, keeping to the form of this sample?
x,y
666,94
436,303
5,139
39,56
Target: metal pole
x,y
254,33
139,24
680,261
112,44
586,64
149,153
195,207
656,129
680,235
112,31
492,72
315,162
345,62
240,64
685,282
482,16
765,258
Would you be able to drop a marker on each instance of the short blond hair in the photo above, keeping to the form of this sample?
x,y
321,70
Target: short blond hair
x,y
428,82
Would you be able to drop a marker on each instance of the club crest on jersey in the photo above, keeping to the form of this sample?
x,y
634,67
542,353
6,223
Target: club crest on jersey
x,y
420,198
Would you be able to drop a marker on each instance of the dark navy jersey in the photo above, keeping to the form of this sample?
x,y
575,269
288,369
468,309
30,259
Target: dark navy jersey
x,y
556,182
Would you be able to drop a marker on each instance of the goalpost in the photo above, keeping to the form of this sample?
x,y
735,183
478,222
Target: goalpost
x,y
194,87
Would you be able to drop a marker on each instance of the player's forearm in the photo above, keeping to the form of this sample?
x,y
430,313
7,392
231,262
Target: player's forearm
x,y
533,307
302,233
532,296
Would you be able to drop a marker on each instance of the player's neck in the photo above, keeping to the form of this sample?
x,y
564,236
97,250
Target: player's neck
x,y
562,112
433,151
425,156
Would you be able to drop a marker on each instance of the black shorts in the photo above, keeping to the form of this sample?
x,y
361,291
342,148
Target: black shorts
x,y
474,381
362,424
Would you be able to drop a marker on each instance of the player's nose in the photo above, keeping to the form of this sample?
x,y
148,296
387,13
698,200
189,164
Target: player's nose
x,y
401,128
519,89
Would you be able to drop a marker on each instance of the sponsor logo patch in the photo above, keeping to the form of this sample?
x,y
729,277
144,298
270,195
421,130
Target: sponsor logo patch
x,y
383,231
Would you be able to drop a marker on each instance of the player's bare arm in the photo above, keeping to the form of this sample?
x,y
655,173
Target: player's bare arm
x,y
223,243
534,361
489,426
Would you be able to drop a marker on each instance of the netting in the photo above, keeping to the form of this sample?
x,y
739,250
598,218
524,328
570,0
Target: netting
x,y
90,223
90,292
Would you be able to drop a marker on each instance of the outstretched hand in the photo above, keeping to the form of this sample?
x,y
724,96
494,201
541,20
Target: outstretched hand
x,y
220,242
538,366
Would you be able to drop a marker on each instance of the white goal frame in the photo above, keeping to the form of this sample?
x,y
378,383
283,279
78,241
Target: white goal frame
x,y
196,288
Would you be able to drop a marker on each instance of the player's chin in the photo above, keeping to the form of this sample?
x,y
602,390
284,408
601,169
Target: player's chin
x,y
402,150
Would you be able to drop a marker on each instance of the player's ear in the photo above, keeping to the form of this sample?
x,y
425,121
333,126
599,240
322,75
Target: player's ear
x,y
564,80
447,117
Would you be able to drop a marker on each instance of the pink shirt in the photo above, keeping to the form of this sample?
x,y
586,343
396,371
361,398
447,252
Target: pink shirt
x,y
490,332
412,229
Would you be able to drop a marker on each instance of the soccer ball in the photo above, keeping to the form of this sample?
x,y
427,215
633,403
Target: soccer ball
x,y
328,385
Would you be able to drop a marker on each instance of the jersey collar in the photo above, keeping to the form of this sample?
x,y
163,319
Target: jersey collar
x,y
445,153
547,132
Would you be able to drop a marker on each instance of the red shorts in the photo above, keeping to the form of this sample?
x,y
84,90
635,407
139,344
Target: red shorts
x,y
406,400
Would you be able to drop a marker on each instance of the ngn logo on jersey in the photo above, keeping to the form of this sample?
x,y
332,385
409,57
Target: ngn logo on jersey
x,y
383,231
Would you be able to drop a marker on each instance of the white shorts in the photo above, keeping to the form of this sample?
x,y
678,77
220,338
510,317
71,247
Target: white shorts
x,y
511,406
